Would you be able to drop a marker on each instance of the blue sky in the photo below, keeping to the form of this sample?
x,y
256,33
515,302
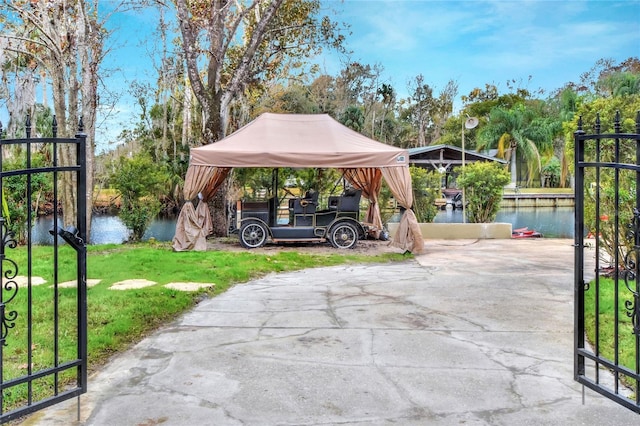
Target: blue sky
x,y
479,42
540,44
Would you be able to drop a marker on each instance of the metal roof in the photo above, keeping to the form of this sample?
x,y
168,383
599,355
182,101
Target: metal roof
x,y
447,153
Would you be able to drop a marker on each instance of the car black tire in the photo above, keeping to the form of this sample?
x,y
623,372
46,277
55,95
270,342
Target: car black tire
x,y
343,235
253,235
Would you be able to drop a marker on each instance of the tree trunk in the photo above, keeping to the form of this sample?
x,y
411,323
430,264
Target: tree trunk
x,y
216,125
66,153
186,112
90,53
514,171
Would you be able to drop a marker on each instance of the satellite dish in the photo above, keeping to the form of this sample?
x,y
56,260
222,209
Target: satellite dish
x,y
471,122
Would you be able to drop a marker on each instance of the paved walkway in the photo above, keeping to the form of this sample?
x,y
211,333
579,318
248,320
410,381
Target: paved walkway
x,y
471,332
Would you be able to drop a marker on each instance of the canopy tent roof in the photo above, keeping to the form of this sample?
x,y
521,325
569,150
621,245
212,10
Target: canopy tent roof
x,y
298,140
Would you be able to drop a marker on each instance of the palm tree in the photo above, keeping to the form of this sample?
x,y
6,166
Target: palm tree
x,y
516,130
565,109
620,84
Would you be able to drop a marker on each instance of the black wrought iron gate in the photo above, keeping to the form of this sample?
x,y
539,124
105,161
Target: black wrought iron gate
x,y
607,261
43,308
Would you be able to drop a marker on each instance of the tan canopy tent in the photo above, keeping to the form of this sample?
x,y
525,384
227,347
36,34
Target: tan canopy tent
x,y
298,140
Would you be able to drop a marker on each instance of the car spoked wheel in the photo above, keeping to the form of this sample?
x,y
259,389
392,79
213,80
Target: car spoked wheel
x,y
253,235
343,235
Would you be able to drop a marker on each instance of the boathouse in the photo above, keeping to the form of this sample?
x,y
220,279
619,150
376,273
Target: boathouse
x,y
444,158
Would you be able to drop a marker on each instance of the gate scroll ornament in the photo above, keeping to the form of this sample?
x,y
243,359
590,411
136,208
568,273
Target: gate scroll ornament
x,y
9,285
631,273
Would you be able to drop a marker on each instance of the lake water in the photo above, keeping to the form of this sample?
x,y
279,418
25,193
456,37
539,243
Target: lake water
x,y
106,230
551,222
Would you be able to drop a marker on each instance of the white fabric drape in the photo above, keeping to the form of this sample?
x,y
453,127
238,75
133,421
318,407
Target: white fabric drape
x,y
408,236
195,224
369,180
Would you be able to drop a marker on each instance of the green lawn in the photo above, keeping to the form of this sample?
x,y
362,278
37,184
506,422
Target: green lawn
x,y
626,340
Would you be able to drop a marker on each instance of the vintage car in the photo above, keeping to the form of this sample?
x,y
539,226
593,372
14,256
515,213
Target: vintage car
x,y
256,222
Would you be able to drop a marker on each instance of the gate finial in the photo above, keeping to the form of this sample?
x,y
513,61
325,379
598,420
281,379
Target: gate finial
x,y
638,122
616,123
54,126
598,123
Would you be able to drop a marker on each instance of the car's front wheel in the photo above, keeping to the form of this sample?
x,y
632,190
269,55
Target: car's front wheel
x,y
253,235
343,235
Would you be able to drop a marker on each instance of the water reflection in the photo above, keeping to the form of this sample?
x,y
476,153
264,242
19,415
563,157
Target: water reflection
x,y
105,230
551,222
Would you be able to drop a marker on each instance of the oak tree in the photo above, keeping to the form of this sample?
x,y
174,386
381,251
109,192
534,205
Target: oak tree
x,y
230,46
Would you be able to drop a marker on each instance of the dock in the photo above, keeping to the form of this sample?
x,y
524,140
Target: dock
x,y
519,198
533,199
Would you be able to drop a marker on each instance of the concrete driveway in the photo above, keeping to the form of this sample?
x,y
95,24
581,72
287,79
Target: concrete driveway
x,y
471,332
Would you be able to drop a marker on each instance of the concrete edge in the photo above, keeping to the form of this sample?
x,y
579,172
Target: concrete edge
x,y
451,231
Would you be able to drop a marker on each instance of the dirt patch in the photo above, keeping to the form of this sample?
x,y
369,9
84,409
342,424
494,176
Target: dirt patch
x,y
364,247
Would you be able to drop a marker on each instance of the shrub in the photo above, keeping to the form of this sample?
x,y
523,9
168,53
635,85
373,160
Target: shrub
x,y
483,183
426,188
15,202
604,212
552,172
138,181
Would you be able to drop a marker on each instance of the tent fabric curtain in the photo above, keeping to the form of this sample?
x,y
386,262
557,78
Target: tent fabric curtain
x,y
369,180
205,180
195,224
216,181
192,227
408,236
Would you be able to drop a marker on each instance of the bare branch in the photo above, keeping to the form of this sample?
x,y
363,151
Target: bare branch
x,y
191,54
242,71
36,22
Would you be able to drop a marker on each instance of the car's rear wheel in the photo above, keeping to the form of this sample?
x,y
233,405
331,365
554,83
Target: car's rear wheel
x,y
253,235
343,235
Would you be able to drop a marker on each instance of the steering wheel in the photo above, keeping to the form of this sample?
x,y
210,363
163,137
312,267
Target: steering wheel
x,y
304,203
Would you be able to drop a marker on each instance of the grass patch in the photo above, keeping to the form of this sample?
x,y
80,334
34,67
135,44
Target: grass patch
x,y
118,319
607,337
